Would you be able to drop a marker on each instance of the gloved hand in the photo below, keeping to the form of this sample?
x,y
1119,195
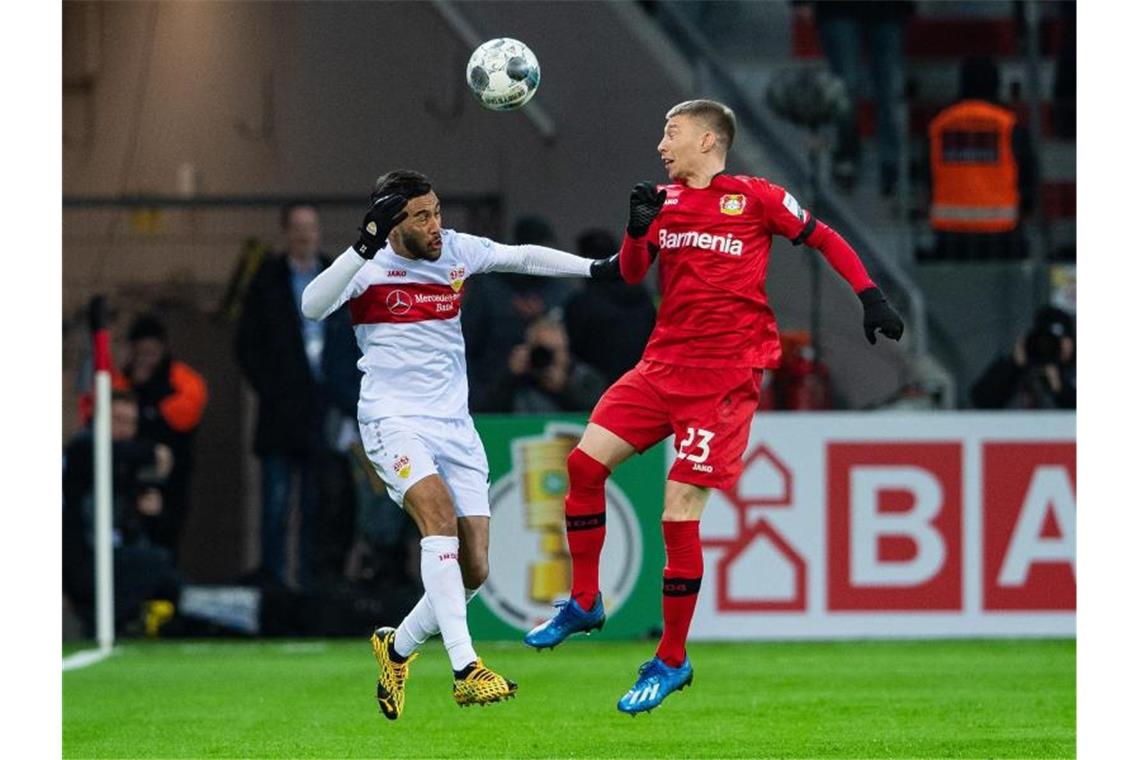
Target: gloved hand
x,y
386,212
606,269
645,201
878,315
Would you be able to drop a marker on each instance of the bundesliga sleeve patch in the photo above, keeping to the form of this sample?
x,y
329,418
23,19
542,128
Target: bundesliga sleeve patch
x,y
792,205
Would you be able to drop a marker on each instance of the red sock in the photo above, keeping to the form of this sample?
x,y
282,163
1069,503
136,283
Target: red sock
x,y
585,523
684,566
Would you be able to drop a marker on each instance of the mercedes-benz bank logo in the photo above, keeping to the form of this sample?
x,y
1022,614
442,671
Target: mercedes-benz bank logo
x,y
399,302
530,563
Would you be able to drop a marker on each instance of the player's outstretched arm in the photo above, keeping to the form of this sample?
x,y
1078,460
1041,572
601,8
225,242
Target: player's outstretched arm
x,y
537,260
785,217
329,290
878,315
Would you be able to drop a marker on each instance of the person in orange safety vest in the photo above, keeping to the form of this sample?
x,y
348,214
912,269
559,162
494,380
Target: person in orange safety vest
x,y
983,174
172,398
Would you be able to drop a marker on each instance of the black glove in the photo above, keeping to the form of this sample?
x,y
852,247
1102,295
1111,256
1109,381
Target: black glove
x,y
878,315
606,269
644,203
385,213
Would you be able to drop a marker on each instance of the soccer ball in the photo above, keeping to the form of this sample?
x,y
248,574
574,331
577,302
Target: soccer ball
x,y
502,74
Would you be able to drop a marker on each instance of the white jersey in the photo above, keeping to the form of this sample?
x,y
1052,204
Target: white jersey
x,y
405,314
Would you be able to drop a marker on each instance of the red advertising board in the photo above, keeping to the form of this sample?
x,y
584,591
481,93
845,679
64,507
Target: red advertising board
x,y
894,526
1030,510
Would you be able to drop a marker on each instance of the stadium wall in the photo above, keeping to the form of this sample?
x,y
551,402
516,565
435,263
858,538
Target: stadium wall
x,y
319,98
842,526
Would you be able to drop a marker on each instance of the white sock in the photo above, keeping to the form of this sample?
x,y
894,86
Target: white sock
x,y
443,587
420,625
416,628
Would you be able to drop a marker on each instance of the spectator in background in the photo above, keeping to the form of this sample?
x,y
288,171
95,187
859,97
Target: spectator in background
x,y
542,376
497,308
140,467
843,28
623,313
1041,373
983,173
171,398
305,377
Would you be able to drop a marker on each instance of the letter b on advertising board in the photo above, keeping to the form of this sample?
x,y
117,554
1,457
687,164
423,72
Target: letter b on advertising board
x,y
894,526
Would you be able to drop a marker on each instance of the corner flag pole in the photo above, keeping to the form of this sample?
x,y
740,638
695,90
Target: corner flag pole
x,y
104,566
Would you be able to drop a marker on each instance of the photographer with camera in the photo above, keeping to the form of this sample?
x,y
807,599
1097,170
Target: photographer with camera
x,y
1041,373
542,376
143,569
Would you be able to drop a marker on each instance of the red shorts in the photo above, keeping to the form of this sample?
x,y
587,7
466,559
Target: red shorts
x,y
708,410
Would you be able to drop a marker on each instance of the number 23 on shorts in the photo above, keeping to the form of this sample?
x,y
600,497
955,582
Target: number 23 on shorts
x,y
685,450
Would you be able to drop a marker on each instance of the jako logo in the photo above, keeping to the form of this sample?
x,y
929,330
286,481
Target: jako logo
x,y
449,555
719,243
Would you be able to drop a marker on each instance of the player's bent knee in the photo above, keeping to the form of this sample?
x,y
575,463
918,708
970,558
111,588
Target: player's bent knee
x,y
585,472
439,524
605,447
429,504
435,519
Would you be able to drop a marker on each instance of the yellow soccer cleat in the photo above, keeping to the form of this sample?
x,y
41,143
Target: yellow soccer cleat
x,y
482,686
393,675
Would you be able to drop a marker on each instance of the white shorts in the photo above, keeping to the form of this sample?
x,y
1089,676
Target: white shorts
x,y
405,450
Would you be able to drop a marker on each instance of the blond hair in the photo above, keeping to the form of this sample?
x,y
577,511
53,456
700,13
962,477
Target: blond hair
x,y
717,116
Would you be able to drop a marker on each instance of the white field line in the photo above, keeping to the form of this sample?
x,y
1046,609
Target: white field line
x,y
85,658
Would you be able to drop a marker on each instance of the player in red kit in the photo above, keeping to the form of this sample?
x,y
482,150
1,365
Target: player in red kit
x,y
699,378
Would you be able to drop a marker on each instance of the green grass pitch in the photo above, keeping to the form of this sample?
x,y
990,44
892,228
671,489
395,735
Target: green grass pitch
x,y
978,699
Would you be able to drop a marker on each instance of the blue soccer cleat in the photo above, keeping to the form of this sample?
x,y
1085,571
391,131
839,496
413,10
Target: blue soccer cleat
x,y
655,681
569,619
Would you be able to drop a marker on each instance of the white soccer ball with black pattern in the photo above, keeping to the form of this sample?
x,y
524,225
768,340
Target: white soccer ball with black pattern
x,y
503,74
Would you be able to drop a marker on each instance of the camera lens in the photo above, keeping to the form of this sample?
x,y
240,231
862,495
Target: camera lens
x,y
540,357
1043,348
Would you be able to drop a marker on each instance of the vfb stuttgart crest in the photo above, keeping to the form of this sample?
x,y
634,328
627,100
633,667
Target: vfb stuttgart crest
x,y
402,466
456,276
733,205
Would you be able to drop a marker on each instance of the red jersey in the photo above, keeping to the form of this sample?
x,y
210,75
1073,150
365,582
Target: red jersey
x,y
713,245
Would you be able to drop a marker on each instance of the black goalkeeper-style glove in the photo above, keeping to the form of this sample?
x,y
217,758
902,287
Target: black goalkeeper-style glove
x,y
606,269
645,201
385,214
878,315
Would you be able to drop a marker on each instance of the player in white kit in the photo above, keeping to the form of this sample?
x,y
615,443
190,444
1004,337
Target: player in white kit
x,y
403,282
